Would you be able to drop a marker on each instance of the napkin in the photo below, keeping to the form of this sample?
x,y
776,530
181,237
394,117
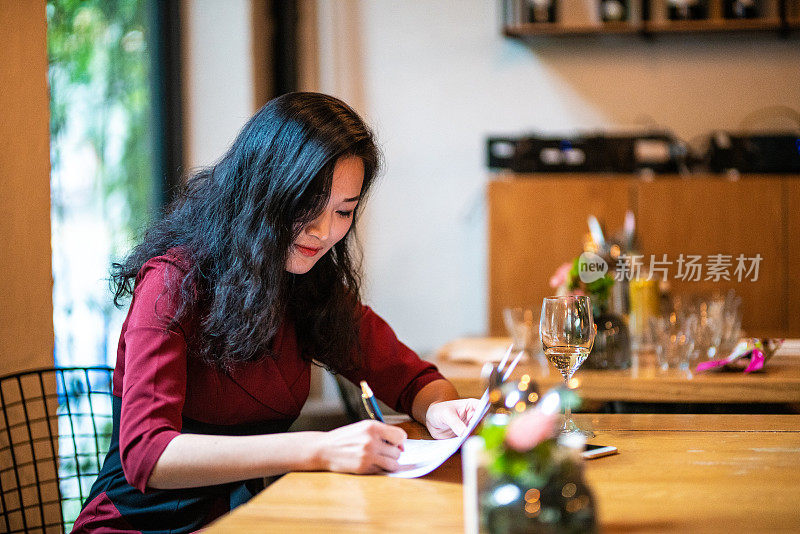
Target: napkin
x,y
750,354
475,349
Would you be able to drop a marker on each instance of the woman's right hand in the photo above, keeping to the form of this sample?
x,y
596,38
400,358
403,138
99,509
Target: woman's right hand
x,y
362,448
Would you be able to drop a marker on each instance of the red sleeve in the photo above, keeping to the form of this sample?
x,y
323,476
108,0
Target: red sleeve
x,y
393,371
154,383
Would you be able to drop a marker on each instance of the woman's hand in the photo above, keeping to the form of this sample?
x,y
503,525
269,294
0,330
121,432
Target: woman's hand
x,y
361,448
448,419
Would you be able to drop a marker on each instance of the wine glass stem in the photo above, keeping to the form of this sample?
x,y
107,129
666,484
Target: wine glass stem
x,y
567,409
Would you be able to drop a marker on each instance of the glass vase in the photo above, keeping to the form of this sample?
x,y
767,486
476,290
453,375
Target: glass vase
x,y
563,504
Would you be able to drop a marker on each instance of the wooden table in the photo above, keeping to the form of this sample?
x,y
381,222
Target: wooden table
x,y
674,473
778,383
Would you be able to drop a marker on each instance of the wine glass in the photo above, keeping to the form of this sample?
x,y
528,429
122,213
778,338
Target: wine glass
x,y
523,326
567,330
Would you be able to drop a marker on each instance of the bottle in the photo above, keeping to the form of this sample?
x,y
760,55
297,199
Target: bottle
x,y
687,9
613,10
741,9
644,302
541,10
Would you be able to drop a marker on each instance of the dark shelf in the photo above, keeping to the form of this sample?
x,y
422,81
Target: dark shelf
x,y
715,25
542,29
781,18
554,28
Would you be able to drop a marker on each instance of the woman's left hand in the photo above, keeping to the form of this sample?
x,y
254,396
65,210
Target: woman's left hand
x,y
448,419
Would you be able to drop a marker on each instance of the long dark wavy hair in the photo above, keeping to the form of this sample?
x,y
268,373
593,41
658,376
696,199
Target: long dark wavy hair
x,y
237,219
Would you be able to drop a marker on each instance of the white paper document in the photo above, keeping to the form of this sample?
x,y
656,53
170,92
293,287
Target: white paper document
x,y
421,456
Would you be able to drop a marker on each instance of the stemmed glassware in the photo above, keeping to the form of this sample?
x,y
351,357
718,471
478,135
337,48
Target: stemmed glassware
x,y
674,338
523,327
567,330
714,324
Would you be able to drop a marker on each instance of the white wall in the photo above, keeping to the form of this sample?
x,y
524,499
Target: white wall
x,y
438,77
218,76
434,78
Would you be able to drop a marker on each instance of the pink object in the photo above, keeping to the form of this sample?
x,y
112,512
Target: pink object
x,y
749,355
560,277
756,361
529,429
713,364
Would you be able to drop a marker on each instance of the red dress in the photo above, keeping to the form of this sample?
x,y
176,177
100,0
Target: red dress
x,y
161,389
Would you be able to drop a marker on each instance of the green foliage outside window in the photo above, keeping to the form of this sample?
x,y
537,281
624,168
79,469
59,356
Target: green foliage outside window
x,y
102,183
99,58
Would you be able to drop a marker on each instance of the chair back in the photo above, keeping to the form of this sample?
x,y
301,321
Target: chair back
x,y
55,429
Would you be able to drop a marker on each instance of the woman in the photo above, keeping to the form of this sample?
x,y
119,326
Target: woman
x,y
244,283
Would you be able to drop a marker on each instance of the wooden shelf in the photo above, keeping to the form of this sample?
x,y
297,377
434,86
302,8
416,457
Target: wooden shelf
x,y
553,28
507,175
772,21
715,25
523,31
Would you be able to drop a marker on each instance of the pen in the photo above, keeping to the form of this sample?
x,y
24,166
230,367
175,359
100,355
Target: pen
x,y
370,404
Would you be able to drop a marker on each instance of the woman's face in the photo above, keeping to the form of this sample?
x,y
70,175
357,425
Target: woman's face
x,y
317,237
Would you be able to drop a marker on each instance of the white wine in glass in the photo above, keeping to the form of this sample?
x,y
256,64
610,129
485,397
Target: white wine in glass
x,y
566,359
567,330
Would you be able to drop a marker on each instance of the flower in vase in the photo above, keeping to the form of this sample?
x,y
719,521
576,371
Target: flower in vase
x,y
567,281
522,447
527,430
528,470
561,276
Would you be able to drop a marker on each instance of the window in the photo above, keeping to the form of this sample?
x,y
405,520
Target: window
x,y
115,153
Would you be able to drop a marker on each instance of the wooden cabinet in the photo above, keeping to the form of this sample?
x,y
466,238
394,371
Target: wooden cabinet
x,y
791,210
538,223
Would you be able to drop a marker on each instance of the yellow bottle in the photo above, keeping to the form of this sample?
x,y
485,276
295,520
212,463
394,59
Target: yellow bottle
x,y
643,298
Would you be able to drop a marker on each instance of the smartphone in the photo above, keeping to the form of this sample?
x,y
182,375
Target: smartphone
x,y
596,451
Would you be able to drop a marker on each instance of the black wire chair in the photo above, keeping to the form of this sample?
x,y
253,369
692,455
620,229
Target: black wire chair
x,y
55,429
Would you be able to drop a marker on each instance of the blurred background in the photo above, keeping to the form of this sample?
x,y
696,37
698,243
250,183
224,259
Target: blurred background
x,y
107,105
645,153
